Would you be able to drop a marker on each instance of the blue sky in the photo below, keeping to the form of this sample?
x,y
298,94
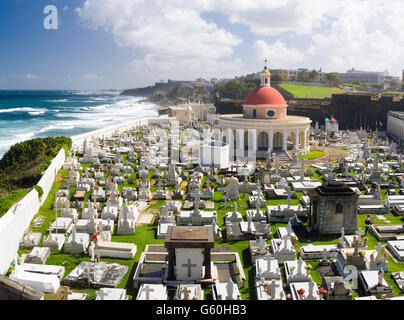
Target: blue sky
x,y
102,44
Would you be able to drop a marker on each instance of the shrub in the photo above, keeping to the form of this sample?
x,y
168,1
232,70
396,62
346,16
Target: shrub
x,y
39,190
7,202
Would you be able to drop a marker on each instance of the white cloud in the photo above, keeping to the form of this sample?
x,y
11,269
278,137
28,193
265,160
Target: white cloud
x,y
27,76
175,39
279,54
92,76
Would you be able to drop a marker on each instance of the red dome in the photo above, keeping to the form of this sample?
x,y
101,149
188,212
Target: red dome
x,y
265,96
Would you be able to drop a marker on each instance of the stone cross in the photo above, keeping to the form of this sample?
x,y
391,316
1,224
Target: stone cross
x,y
50,234
273,287
300,266
360,233
147,290
261,244
91,251
311,287
289,229
381,277
189,266
230,289
257,206
249,221
74,234
324,255
185,292
66,293
379,248
102,294
356,246
285,242
197,197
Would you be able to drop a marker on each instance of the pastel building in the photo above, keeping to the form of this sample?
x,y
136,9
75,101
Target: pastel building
x,y
264,125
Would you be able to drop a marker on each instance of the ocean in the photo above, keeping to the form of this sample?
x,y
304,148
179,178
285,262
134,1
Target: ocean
x,y
26,115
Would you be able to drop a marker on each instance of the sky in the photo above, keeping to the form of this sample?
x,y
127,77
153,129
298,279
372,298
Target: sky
x,y
118,44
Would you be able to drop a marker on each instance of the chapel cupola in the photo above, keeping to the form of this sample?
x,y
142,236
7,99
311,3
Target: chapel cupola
x,y
265,77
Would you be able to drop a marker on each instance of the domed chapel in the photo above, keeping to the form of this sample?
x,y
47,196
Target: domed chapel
x,y
265,125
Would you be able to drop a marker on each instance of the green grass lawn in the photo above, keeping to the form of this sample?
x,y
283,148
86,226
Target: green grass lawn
x,y
300,91
313,155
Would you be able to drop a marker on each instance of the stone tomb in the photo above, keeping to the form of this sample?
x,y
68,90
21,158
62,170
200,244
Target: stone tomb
x,y
387,232
336,289
43,278
234,216
111,294
96,275
257,215
398,279
269,289
126,226
258,249
148,291
282,249
120,250
30,239
396,249
296,271
62,225
189,257
77,242
54,241
312,252
38,255
247,230
267,268
189,292
69,213
226,291
304,291
372,282
287,231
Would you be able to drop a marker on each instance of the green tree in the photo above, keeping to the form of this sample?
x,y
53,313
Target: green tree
x,y
235,89
277,77
356,82
394,84
313,75
333,79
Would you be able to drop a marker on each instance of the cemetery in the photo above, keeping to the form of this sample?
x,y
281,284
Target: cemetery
x,y
131,218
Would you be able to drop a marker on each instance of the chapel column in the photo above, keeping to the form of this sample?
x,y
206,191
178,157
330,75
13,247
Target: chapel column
x,y
297,139
305,140
285,139
230,142
240,143
271,139
252,144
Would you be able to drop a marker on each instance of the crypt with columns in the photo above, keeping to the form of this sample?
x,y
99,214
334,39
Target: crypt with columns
x,y
264,124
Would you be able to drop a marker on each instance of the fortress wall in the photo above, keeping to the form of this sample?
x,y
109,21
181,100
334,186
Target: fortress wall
x,y
12,227
18,218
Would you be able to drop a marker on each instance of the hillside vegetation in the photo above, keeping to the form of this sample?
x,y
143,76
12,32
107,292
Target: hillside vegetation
x,y
301,91
21,167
